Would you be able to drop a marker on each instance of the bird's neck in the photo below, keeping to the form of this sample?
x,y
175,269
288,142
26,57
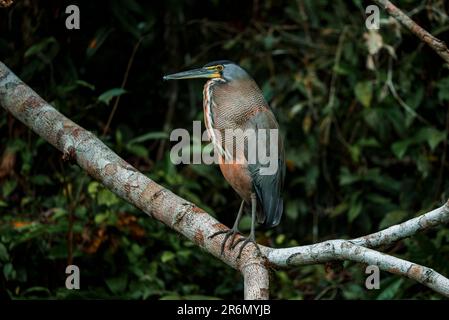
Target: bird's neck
x,y
208,102
208,106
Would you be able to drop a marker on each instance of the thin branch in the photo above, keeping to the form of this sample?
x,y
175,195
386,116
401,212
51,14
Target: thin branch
x,y
389,83
346,250
358,250
406,229
436,44
439,216
330,102
125,79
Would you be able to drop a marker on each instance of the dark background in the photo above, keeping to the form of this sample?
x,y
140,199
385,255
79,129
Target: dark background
x,y
366,141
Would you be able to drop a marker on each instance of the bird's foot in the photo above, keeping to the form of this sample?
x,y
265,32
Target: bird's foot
x,y
246,241
228,233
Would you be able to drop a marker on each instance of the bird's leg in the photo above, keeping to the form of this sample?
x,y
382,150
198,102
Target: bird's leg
x,y
231,232
252,235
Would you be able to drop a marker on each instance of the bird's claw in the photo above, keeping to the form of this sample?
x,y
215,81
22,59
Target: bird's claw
x,y
246,241
228,233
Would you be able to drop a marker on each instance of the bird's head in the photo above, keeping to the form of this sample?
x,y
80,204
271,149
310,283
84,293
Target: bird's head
x,y
223,69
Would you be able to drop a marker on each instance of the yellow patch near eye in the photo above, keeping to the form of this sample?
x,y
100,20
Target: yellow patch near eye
x,y
217,68
215,75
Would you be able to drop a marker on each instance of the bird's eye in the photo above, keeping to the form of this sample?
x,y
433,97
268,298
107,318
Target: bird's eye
x,y
220,68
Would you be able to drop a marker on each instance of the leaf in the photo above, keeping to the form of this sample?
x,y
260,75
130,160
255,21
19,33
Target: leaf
x,y
26,200
36,290
392,218
378,199
338,210
85,84
9,272
415,98
364,92
391,291
137,250
41,180
423,165
199,297
60,212
245,223
354,291
119,137
292,210
8,187
106,197
92,188
99,38
443,92
167,256
269,41
117,284
138,150
435,137
80,212
354,211
347,178
230,43
373,118
123,14
4,256
354,151
172,296
368,142
280,239
107,96
40,47
101,217
400,148
432,136
149,136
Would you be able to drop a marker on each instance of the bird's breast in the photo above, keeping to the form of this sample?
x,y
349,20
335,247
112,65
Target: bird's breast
x,y
238,177
228,106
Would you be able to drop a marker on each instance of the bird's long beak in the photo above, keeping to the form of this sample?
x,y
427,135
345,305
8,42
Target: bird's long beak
x,y
208,72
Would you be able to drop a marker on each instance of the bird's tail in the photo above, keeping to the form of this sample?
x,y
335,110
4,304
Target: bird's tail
x,y
271,214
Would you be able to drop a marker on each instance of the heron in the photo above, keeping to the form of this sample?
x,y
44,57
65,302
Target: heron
x,y
233,100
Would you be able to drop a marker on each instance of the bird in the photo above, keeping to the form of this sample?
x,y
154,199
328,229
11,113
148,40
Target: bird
x,y
233,100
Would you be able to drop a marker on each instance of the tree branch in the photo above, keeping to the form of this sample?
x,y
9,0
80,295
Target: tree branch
x,y
256,281
120,177
358,250
101,163
436,44
406,229
346,250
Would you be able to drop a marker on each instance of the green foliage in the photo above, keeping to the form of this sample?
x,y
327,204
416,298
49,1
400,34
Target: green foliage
x,y
364,114
107,96
364,92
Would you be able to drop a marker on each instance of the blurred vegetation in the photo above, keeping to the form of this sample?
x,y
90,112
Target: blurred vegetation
x,y
364,113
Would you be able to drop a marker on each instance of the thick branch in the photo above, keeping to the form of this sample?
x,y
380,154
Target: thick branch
x,y
101,163
436,44
256,281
